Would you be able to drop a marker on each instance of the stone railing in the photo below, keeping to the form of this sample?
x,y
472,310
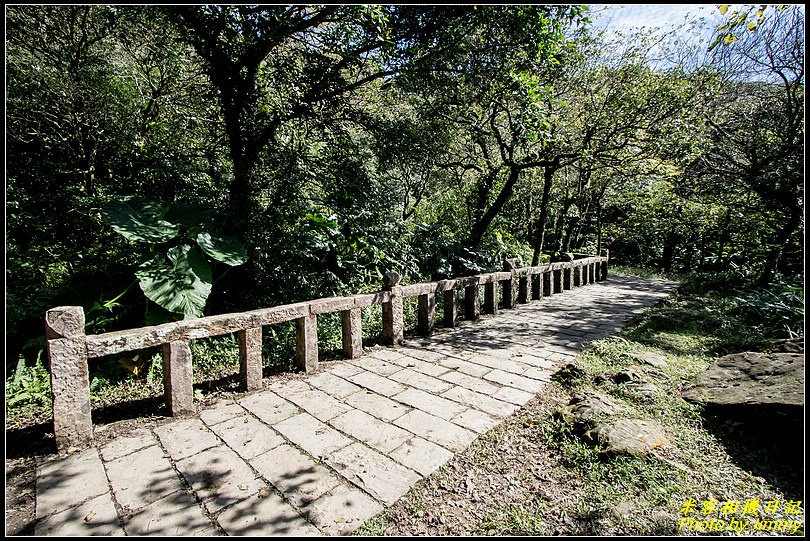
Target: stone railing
x,y
69,348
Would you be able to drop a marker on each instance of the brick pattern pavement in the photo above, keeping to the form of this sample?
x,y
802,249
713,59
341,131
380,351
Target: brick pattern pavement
x,y
323,453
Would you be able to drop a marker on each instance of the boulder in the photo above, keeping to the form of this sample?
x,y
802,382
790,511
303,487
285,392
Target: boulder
x,y
790,345
647,357
756,381
631,437
587,408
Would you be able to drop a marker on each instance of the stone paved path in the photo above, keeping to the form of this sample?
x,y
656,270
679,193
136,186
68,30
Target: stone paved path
x,y
322,453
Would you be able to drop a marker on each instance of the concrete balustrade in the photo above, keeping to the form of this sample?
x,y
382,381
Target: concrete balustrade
x,y
69,348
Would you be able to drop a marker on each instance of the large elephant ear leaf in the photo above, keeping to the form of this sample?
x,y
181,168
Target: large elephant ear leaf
x,y
181,287
227,250
139,220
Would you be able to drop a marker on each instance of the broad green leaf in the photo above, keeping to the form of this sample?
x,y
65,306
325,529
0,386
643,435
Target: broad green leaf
x,y
227,250
139,220
181,287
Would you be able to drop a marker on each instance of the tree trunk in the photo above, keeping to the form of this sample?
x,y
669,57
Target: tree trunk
x,y
540,232
480,226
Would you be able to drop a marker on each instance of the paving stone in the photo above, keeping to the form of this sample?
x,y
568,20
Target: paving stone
x,y
342,511
94,517
337,387
435,405
430,369
65,483
379,367
380,435
247,436
387,355
471,382
424,354
219,477
142,478
186,437
538,374
312,435
483,402
474,420
515,381
284,388
221,411
420,381
269,407
265,516
421,455
475,370
295,474
137,440
376,383
373,472
176,514
498,363
316,403
377,405
343,369
436,430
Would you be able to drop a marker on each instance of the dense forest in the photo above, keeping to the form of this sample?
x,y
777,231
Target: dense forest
x,y
171,162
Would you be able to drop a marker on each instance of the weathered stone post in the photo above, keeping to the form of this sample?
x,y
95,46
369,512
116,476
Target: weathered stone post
x,y
250,358
537,286
70,384
392,317
427,313
509,286
178,377
557,280
577,275
566,278
546,283
604,270
450,307
472,304
591,273
306,342
351,325
523,287
491,297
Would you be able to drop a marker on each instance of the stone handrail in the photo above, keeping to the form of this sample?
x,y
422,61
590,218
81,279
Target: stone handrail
x,y
69,348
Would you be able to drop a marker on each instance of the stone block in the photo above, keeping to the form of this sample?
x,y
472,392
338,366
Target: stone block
x,y
474,420
435,405
393,322
491,298
70,388
557,274
185,438
64,483
301,479
515,381
266,515
178,378
420,381
377,405
142,478
373,472
450,308
311,435
306,343
317,403
352,327
472,304
436,430
269,407
337,387
221,411
342,511
421,455
248,436
483,402
380,435
376,383
175,515
219,477
137,440
250,358
523,288
94,517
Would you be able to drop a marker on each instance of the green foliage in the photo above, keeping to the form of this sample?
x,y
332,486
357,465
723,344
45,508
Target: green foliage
x,y
30,386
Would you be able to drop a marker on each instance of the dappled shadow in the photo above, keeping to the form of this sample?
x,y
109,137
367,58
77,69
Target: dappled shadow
x,y
769,444
36,440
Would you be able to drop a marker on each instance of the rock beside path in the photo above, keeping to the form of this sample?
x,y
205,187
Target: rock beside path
x,y
768,381
631,437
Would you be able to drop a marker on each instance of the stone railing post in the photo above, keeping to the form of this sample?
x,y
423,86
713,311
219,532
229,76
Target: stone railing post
x,y
306,342
537,287
558,288
491,297
450,308
70,384
523,286
351,323
250,358
591,273
392,317
604,270
576,275
178,378
427,313
472,304
547,283
509,286
566,282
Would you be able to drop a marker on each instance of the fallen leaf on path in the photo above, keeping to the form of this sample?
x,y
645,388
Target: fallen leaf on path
x,y
90,516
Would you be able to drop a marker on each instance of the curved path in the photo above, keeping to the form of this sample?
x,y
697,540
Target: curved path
x,y
321,453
